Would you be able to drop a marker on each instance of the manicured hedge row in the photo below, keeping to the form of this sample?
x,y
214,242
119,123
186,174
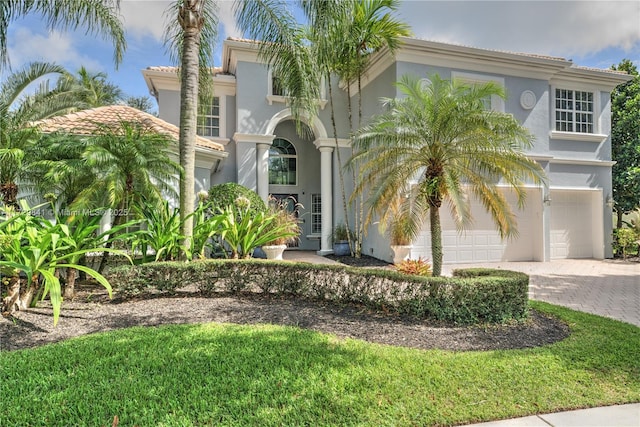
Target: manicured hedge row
x,y
473,296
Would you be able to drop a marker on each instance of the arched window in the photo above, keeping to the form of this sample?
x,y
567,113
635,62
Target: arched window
x,y
282,163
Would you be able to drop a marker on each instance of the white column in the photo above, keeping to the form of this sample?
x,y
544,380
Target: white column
x,y
263,171
326,194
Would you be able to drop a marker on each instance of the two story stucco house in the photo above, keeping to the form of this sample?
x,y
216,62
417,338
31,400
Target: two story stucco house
x,y
566,107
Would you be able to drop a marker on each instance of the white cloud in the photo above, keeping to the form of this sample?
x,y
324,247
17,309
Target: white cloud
x,y
562,28
144,18
27,45
147,18
227,19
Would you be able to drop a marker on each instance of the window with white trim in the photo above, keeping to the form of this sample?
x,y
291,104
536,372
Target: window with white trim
x,y
574,111
316,214
209,120
283,161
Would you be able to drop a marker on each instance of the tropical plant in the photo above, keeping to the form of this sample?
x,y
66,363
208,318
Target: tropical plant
x,y
132,164
334,38
625,142
191,45
242,231
96,16
367,27
416,267
142,103
93,89
341,233
441,134
17,110
60,169
284,220
160,231
398,224
37,247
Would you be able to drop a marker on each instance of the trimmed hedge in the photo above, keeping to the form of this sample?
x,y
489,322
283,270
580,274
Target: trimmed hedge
x,y
473,296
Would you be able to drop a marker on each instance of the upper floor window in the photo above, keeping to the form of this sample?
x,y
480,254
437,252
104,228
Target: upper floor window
x,y
494,102
282,163
574,111
209,120
276,87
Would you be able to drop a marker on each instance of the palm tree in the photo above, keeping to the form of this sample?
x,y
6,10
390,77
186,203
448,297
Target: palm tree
x,y
289,46
335,38
91,88
131,163
17,110
190,45
369,27
96,16
441,135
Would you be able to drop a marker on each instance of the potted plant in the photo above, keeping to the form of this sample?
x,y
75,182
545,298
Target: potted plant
x,y
284,225
401,236
341,240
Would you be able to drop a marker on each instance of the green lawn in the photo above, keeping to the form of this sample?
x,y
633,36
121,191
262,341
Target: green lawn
x,y
269,375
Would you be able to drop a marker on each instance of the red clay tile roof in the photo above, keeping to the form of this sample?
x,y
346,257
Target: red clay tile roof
x,y
172,69
87,122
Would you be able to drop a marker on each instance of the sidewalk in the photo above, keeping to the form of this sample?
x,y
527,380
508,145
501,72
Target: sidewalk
x,y
608,416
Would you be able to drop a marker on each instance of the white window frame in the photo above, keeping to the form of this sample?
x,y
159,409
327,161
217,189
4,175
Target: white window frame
x,y
596,135
199,127
316,213
286,156
282,99
497,103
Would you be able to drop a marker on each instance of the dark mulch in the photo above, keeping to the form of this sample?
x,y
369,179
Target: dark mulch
x,y
363,261
91,312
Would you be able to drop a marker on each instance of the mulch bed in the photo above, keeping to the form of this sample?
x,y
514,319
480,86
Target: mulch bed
x,y
91,311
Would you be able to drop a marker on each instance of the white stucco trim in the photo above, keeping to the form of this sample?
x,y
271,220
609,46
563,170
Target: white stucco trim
x,y
314,123
563,161
331,142
578,136
252,137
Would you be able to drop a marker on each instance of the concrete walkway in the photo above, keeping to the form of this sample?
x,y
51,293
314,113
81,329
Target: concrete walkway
x,y
606,288
608,416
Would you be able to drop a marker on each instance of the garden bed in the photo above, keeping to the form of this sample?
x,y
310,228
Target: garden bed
x,y
92,311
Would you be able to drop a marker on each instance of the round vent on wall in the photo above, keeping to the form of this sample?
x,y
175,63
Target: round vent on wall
x,y
528,100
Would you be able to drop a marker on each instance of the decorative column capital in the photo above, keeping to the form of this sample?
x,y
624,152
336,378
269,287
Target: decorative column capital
x,y
331,142
325,149
255,138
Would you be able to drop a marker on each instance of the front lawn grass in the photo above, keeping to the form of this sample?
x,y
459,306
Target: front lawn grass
x,y
266,375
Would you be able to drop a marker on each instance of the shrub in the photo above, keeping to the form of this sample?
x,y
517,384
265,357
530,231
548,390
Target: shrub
x,y
223,195
285,223
624,241
475,296
416,267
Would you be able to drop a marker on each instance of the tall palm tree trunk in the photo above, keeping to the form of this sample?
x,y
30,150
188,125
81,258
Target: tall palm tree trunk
x,y
436,239
190,19
340,170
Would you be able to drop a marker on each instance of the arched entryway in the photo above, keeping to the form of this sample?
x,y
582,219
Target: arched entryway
x,y
294,176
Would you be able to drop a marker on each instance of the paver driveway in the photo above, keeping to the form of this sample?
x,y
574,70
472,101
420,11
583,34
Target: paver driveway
x,y
608,288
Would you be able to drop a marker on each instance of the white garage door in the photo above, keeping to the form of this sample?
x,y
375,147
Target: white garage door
x,y
574,229
482,243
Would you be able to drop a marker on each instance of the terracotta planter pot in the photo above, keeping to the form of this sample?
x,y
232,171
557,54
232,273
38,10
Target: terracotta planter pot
x,y
400,253
274,251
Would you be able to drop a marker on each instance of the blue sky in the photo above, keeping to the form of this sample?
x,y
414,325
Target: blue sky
x,y
591,33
